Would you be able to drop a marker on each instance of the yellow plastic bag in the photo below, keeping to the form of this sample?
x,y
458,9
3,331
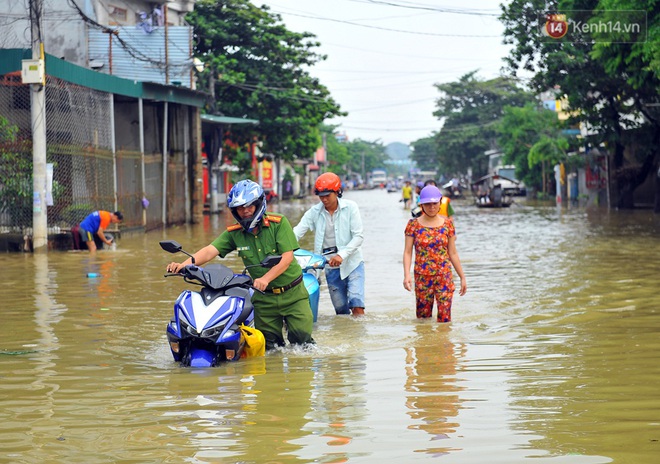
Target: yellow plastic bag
x,y
255,343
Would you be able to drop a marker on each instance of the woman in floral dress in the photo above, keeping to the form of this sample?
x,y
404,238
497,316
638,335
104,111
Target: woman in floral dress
x,y
434,239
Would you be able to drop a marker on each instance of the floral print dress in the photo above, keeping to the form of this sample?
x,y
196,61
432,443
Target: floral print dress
x,y
432,270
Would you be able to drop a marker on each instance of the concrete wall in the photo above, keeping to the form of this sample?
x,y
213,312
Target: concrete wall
x,y
63,31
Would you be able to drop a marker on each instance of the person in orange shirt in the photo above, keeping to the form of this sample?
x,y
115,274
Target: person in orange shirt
x,y
96,223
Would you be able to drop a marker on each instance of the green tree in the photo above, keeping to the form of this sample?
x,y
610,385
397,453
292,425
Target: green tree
x,y
15,175
255,67
471,109
638,62
8,132
351,157
612,88
337,153
365,156
531,138
425,154
16,186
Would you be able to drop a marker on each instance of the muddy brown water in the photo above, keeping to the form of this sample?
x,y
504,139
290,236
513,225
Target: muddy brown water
x,y
552,356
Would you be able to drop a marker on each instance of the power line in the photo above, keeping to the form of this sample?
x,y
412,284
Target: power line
x,y
406,55
441,129
433,34
266,91
436,9
404,72
398,85
390,105
375,129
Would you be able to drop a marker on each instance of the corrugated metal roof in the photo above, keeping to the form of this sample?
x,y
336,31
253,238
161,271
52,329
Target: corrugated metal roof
x,y
212,118
143,58
10,60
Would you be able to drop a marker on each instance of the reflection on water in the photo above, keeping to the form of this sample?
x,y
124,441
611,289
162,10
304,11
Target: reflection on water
x,y
433,397
551,355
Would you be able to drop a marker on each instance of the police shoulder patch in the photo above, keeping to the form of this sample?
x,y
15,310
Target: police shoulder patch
x,y
272,217
234,227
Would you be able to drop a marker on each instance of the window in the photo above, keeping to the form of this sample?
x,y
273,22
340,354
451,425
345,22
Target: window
x,y
116,13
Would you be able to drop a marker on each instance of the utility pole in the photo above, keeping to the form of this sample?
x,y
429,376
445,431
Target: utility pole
x,y
167,71
38,112
364,173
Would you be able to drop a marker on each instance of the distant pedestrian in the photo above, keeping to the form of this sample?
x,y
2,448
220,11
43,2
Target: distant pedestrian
x,y
337,225
406,195
445,204
418,188
95,224
417,210
433,238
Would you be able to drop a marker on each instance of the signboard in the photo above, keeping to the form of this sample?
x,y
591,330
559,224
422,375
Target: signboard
x,y
266,175
320,155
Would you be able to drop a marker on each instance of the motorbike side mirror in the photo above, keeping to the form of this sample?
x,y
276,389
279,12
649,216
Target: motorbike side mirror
x,y
271,261
171,246
268,262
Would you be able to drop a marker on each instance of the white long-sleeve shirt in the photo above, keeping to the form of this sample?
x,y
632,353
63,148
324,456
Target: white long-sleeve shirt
x,y
349,234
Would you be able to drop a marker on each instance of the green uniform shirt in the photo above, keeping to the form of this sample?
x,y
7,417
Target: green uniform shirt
x,y
275,237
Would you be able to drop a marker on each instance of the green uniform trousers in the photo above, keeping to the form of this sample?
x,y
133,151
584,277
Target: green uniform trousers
x,y
272,310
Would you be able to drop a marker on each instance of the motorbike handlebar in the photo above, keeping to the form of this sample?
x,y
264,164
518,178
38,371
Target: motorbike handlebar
x,y
257,290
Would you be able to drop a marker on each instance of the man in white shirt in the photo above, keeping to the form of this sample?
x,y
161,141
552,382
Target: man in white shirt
x,y
337,224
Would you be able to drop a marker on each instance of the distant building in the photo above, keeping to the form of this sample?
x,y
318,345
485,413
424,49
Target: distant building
x,y
123,118
124,38
341,137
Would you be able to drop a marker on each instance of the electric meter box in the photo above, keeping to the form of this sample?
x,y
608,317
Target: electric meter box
x,y
33,72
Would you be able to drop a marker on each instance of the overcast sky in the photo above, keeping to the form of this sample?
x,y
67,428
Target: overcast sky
x,y
384,57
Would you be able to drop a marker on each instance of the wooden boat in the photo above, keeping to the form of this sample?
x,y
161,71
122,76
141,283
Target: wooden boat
x,y
488,192
485,202
454,189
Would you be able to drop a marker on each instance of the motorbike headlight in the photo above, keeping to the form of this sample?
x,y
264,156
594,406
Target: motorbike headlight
x,y
212,332
185,327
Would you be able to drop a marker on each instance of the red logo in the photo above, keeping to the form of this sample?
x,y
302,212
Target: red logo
x,y
556,25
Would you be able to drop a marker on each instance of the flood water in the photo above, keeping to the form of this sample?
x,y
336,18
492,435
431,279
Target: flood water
x,y
552,356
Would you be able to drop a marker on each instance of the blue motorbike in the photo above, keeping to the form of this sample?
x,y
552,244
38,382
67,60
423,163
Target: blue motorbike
x,y
205,328
311,264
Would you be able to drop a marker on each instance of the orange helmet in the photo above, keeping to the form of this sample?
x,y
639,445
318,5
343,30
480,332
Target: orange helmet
x,y
327,183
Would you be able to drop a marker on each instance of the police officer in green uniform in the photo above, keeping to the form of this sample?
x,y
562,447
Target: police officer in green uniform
x,y
257,235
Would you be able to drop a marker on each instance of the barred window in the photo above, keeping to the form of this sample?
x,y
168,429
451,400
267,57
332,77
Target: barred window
x,y
119,14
